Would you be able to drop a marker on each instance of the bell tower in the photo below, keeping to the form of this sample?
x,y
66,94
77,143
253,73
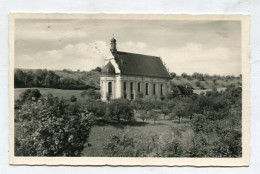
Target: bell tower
x,y
113,45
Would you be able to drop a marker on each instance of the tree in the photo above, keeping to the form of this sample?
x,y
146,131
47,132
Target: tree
x,y
143,115
197,83
30,95
173,75
19,78
184,75
136,105
145,106
154,116
180,110
98,69
165,110
97,107
118,109
214,81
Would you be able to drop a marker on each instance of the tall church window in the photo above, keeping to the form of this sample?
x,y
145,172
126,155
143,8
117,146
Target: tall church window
x,y
124,86
146,89
131,91
139,87
110,87
154,89
161,89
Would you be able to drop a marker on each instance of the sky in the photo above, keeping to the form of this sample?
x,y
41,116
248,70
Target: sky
x,y
212,47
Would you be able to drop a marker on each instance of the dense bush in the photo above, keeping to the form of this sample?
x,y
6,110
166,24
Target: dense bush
x,y
172,148
228,145
50,129
120,147
126,146
90,94
97,107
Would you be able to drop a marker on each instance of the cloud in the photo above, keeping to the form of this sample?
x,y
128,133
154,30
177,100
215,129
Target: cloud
x,y
79,56
45,34
192,57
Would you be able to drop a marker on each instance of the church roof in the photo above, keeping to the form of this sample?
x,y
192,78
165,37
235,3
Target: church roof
x,y
140,65
108,69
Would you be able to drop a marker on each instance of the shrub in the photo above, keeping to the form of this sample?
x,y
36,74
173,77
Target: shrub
x,y
228,145
173,148
199,147
125,146
73,98
197,122
120,147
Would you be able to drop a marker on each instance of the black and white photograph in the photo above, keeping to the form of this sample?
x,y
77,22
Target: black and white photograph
x,y
139,87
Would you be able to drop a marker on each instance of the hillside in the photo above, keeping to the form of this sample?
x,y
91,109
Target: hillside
x,y
67,79
88,77
209,83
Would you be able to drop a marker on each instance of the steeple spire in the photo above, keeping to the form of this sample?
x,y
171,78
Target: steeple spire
x,y
113,45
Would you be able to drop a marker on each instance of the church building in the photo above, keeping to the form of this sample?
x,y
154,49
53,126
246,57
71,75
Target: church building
x,y
132,76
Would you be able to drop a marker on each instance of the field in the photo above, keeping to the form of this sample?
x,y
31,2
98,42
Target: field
x,y
66,94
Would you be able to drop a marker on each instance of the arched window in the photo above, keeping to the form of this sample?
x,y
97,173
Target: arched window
x,y
139,87
154,89
146,89
124,86
110,87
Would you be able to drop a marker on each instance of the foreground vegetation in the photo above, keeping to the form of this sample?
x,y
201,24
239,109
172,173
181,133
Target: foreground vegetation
x,y
206,125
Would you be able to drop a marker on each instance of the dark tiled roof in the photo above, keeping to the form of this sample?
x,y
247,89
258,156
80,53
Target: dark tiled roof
x,y
108,69
140,65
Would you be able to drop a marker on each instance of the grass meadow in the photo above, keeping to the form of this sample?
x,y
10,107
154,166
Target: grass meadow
x,y
141,132
66,94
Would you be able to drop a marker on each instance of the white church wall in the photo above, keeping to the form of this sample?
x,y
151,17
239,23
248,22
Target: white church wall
x,y
118,86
